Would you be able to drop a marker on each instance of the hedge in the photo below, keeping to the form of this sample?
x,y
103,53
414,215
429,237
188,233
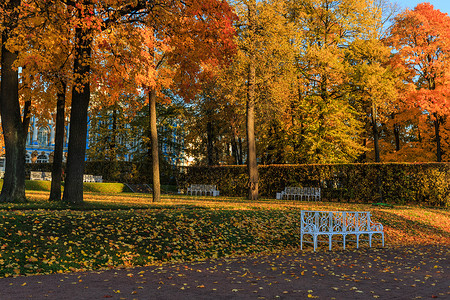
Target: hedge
x,y
396,183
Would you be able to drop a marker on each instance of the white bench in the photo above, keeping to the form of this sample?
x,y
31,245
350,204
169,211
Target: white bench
x,y
92,178
343,223
300,193
98,178
202,189
36,175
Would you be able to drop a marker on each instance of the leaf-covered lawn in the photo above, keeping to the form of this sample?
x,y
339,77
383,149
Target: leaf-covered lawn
x,y
133,232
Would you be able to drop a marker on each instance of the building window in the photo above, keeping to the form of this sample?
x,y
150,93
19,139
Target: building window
x,y
2,162
43,136
42,158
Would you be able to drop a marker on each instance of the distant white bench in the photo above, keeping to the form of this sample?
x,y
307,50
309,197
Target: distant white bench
x,y
202,189
343,223
300,193
92,178
34,175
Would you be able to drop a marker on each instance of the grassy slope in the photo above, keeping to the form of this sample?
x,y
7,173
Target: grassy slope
x,y
113,230
36,185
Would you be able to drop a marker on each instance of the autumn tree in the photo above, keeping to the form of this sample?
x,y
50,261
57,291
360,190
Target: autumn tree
x,y
46,62
328,115
14,126
421,41
374,82
187,36
253,79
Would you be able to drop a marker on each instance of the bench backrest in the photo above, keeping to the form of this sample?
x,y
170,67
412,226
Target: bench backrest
x,y
312,191
36,175
334,221
203,187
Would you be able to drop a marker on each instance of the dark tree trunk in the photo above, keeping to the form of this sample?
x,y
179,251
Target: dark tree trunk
x,y
363,157
397,137
240,154
210,143
234,149
112,146
55,190
375,134
14,134
154,146
73,188
437,123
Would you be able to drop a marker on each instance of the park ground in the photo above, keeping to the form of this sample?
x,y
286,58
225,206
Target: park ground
x,y
248,258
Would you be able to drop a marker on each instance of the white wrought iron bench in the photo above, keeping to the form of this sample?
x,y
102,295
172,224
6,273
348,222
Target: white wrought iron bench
x,y
202,190
36,175
329,223
300,193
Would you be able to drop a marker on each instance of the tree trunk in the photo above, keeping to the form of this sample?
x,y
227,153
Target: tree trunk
x,y
13,189
397,137
437,124
154,146
234,148
251,141
240,153
375,134
210,143
112,145
73,188
55,190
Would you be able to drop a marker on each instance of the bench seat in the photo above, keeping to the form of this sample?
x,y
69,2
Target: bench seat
x,y
299,193
202,190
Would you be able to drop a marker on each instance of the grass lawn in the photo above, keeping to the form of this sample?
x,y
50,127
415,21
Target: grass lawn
x,y
122,229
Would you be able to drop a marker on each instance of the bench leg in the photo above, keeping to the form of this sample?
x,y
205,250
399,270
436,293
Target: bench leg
x,y
329,241
382,239
301,241
343,238
315,242
357,241
370,240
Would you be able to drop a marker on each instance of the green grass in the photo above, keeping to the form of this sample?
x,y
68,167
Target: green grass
x,y
95,187
112,230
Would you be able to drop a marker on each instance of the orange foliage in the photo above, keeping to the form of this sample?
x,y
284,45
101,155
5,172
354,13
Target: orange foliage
x,y
174,51
421,42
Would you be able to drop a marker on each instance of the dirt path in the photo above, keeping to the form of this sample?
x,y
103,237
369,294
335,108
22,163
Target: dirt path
x,y
387,273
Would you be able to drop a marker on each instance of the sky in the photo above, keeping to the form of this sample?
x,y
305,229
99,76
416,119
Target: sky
x,y
442,5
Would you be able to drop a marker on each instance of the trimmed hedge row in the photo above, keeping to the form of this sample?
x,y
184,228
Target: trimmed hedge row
x,y
397,183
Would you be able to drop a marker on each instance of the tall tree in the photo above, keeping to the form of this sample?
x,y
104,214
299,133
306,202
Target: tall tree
x,y
258,74
374,82
329,121
421,40
173,51
14,128
46,60
83,14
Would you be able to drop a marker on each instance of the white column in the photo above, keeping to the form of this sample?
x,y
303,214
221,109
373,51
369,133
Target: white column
x,y
35,133
52,133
